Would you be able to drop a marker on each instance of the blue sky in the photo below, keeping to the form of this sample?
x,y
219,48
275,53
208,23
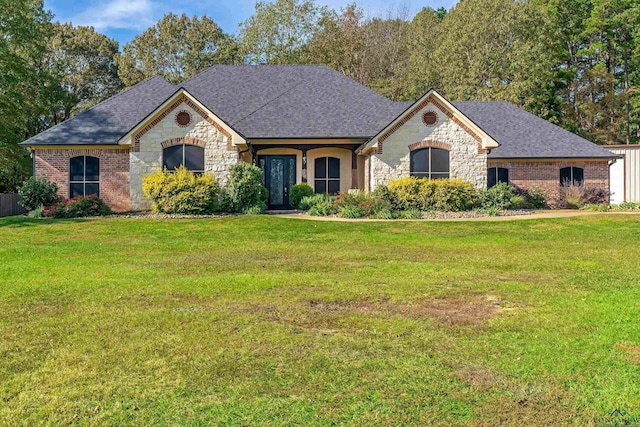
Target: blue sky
x,y
123,19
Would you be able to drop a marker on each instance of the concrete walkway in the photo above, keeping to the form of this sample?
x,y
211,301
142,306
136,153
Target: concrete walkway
x,y
535,215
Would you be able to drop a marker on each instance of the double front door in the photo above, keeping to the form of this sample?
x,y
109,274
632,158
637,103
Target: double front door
x,y
279,175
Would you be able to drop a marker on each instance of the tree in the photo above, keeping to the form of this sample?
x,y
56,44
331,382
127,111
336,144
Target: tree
x,y
177,48
277,32
500,50
420,71
83,63
339,42
370,51
24,27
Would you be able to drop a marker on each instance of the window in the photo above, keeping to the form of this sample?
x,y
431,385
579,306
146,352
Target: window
x,y
430,163
496,175
571,176
191,156
84,176
327,175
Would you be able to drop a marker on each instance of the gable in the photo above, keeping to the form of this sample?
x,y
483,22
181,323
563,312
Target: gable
x,y
180,100
431,98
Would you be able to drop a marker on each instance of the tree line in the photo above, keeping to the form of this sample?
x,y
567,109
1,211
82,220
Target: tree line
x,y
573,62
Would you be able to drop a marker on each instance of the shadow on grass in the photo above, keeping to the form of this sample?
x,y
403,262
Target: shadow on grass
x,y
21,221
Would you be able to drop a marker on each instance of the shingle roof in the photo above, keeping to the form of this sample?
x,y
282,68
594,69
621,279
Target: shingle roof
x,y
278,101
287,101
524,135
109,120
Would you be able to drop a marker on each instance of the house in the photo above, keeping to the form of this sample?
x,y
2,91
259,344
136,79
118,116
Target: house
x,y
303,123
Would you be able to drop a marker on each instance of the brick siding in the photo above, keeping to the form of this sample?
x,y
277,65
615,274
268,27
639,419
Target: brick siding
x,y
53,164
546,174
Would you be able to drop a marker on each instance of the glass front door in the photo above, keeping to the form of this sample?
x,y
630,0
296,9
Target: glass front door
x,y
279,175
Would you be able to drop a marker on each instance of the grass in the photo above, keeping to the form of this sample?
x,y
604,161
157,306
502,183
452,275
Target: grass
x,y
273,321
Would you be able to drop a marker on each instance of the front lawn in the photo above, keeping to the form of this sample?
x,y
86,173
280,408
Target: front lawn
x,y
273,321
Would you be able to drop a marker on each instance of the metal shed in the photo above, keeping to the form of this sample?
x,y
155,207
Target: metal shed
x,y
625,173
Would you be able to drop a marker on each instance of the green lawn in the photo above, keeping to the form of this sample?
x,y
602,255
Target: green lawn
x,y
274,321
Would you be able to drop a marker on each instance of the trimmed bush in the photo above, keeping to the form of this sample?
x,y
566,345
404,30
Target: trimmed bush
x,y
78,207
428,194
36,193
181,192
298,192
244,191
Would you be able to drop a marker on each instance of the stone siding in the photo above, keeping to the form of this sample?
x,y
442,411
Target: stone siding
x,y
546,174
53,164
219,154
392,159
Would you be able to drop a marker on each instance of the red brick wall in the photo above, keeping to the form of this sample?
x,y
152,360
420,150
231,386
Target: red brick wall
x,y
53,164
546,174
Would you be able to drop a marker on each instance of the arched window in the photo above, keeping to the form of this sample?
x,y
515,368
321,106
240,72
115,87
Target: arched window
x,y
327,175
84,176
496,175
430,163
191,156
571,176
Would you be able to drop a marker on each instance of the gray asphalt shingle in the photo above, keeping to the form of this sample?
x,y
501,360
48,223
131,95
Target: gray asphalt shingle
x,y
298,101
525,135
111,119
285,101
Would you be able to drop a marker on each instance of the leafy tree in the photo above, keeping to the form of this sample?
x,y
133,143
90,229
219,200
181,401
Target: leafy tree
x,y
420,71
24,27
500,50
177,48
277,32
83,63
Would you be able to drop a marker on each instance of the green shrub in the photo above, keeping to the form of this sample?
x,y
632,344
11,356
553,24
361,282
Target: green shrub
x,y
255,210
310,201
181,192
244,190
627,206
351,212
322,208
382,194
36,213
427,194
497,197
407,214
517,201
36,193
596,207
78,207
383,214
298,192
535,197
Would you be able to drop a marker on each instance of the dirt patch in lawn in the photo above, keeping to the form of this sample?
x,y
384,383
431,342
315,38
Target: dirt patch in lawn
x,y
457,310
630,351
478,377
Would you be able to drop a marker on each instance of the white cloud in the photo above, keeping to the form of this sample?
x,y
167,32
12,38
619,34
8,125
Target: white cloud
x,y
117,14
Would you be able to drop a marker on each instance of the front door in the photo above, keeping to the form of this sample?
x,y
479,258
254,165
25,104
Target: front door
x,y
279,175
